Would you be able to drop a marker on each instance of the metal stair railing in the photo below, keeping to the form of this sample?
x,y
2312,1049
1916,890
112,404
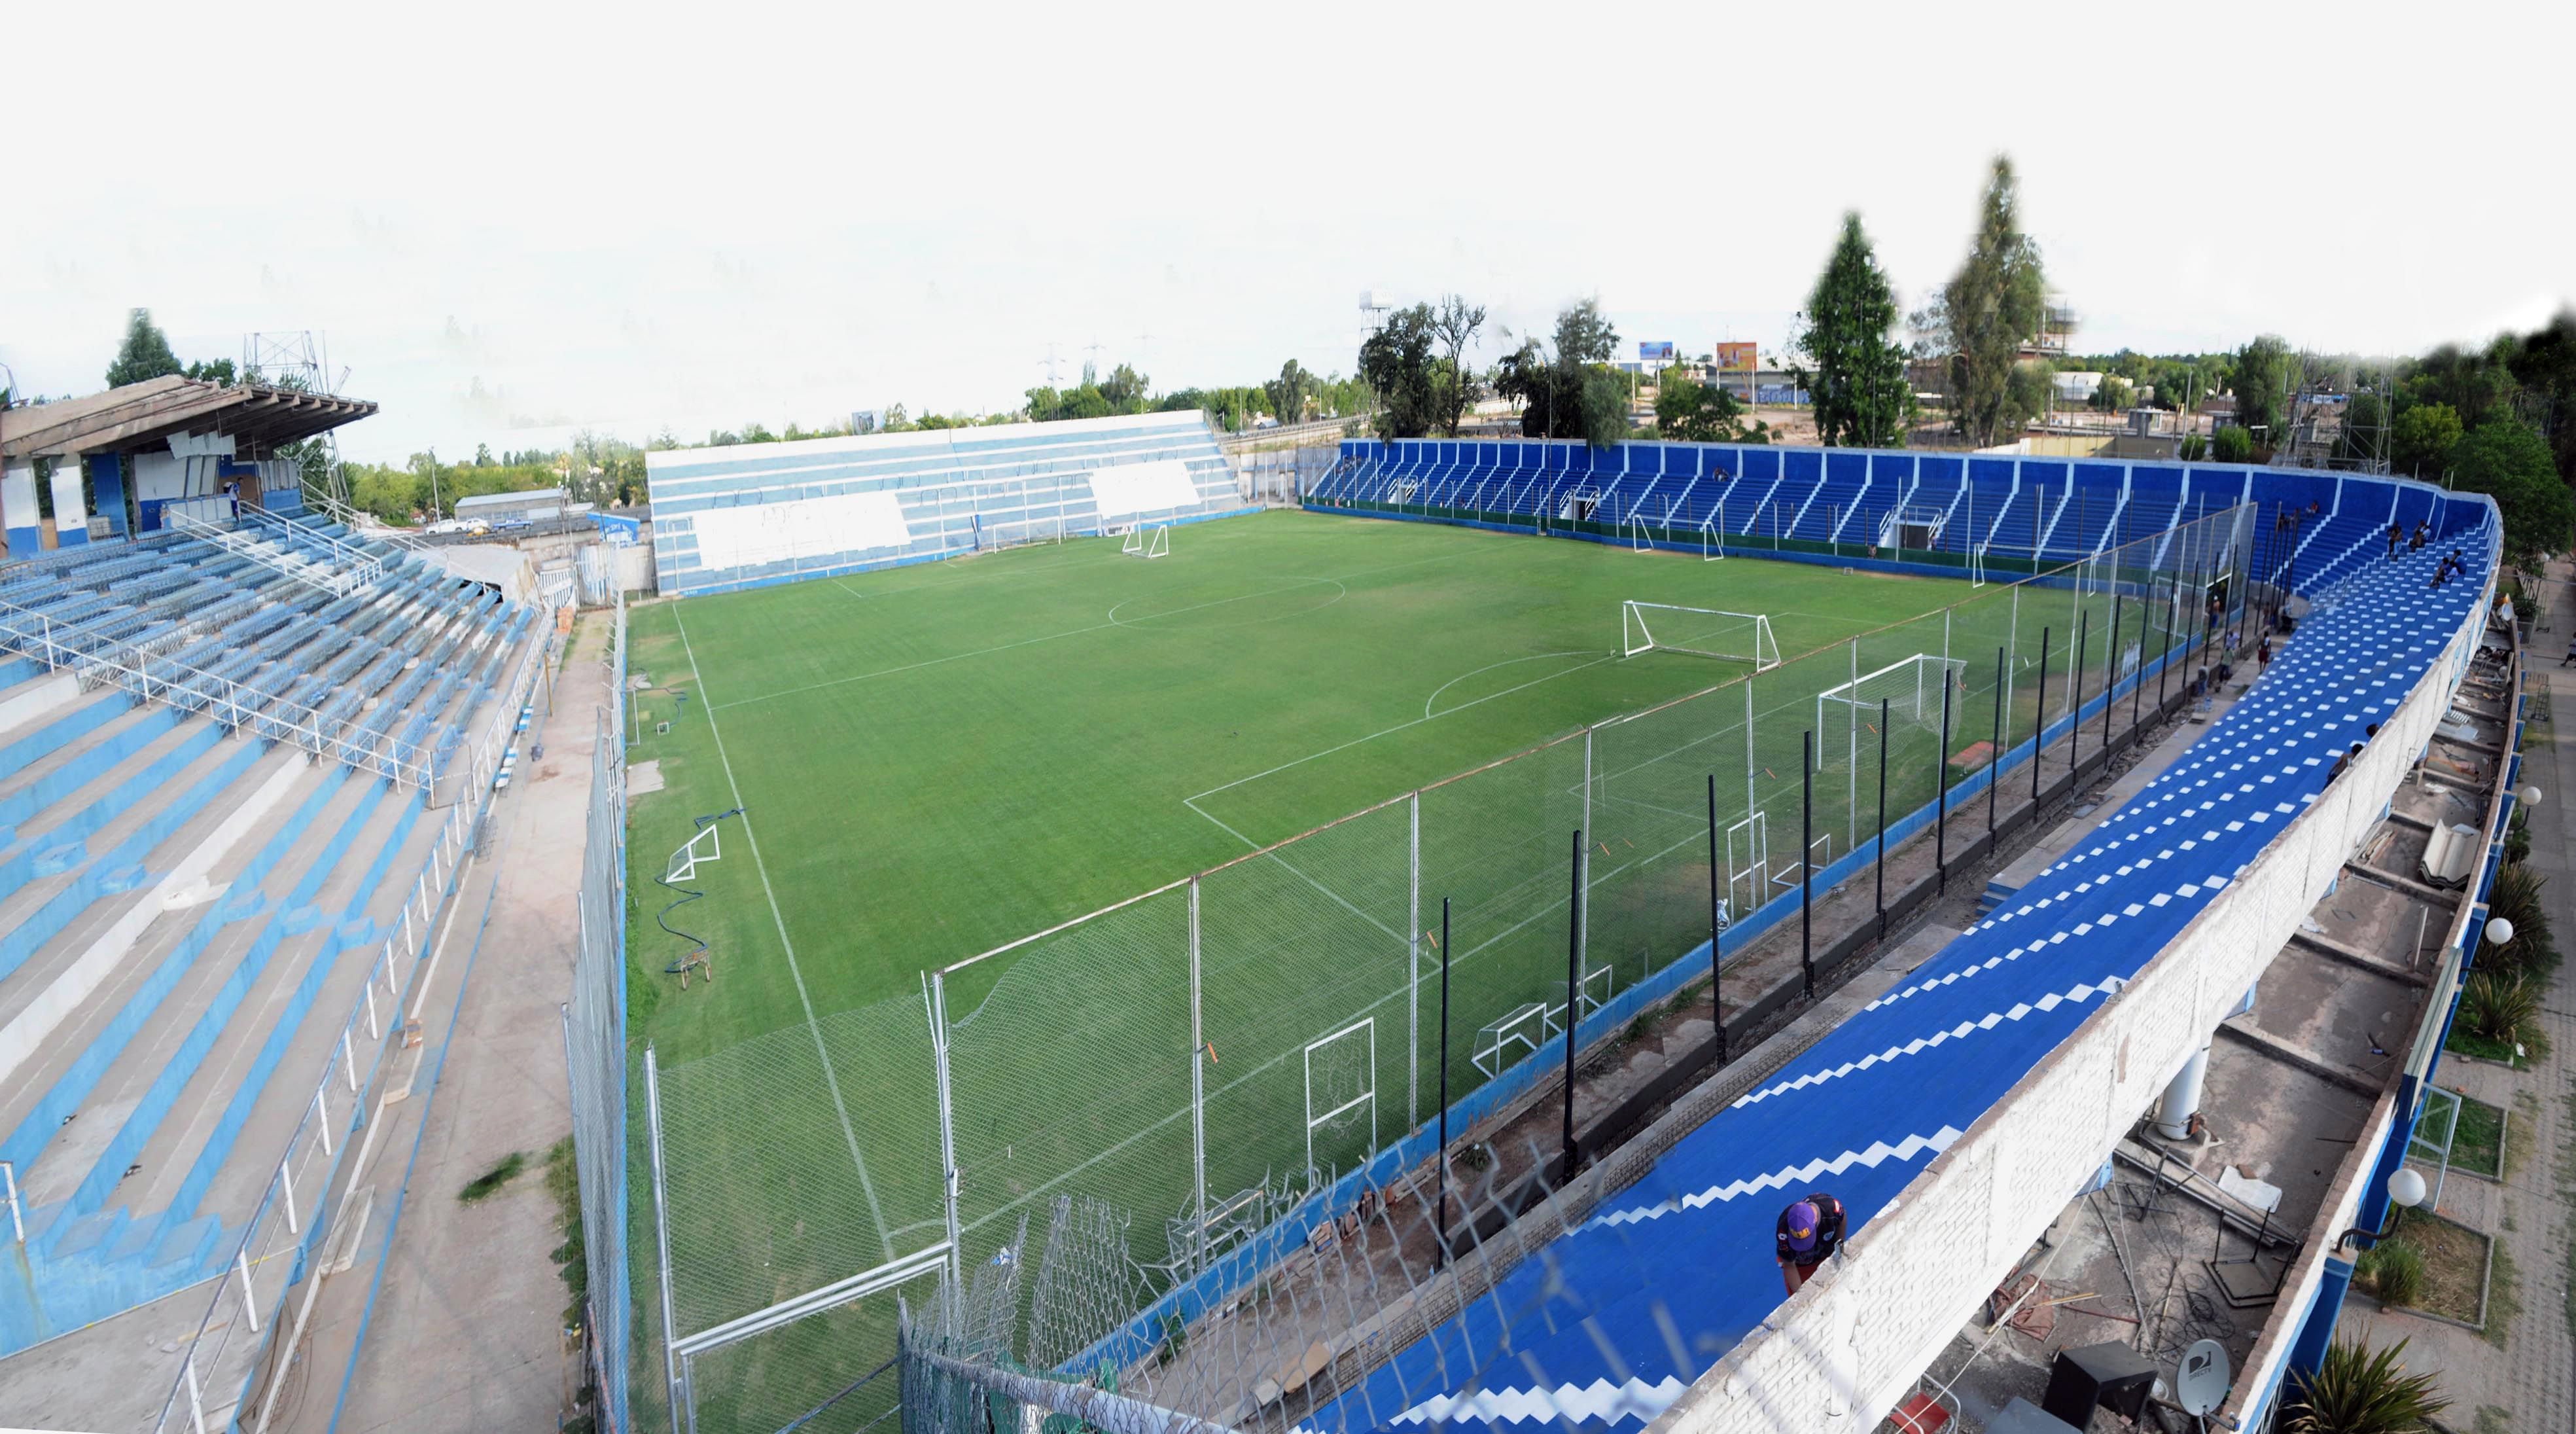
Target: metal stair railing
x,y
96,659
266,552
354,557
395,538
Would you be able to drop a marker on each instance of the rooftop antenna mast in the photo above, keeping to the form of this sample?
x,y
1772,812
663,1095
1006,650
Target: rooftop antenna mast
x,y
297,360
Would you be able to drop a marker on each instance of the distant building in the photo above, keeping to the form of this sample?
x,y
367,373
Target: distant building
x,y
533,505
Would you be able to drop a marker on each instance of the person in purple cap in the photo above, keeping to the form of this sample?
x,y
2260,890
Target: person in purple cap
x,y
1809,1233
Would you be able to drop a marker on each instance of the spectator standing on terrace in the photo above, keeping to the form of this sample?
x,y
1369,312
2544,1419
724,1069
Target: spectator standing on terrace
x,y
2394,533
1810,1232
2262,657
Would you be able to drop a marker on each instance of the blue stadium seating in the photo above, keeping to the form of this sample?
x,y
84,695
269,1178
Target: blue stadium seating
x,y
1597,1332
143,1122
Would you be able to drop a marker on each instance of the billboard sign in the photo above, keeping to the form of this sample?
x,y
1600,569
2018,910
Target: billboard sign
x,y
1736,358
1653,349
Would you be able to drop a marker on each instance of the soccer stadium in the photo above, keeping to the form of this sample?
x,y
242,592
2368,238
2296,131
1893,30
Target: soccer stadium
x,y
1059,937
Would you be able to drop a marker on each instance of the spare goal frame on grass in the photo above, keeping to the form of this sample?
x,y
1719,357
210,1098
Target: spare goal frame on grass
x,y
1700,631
1143,542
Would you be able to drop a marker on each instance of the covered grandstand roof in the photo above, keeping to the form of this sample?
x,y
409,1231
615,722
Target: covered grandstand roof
x,y
146,415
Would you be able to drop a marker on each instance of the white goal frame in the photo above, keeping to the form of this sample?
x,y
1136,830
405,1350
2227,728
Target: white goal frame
x,y
1147,543
1363,1028
1749,873
1635,636
1917,700
684,862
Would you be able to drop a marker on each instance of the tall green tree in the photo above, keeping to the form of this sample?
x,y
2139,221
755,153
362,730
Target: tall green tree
x,y
1124,390
1688,411
1403,363
2476,383
2544,363
1861,395
145,353
1456,322
1289,392
2508,460
1983,316
2421,440
1574,393
2261,385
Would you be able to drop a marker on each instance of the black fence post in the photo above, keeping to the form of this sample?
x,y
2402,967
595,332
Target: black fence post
x,y
2039,725
2138,689
1806,845
1443,1206
1716,1000
1882,819
1995,752
2111,672
2164,663
2075,709
1941,798
1573,990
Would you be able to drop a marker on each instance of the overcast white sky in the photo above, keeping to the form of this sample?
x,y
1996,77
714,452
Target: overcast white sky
x,y
513,219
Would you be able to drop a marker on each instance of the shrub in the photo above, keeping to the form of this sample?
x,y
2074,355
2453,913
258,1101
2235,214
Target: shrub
x,y
2516,898
2194,448
2357,1391
2498,1007
2232,444
489,1183
2395,1272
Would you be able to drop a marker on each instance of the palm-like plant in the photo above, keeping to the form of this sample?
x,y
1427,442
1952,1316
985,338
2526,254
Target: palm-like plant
x,y
2516,898
2361,1391
2497,1007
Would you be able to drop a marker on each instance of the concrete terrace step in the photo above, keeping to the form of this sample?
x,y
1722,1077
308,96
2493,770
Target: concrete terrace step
x,y
44,1105
153,1069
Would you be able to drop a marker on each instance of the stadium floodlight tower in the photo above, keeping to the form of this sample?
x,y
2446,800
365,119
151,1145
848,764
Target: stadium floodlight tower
x,y
1699,631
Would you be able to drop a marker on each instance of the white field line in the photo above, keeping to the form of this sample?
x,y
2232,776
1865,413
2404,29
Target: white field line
x,y
1390,731
831,1080
1292,584
1391,933
1113,622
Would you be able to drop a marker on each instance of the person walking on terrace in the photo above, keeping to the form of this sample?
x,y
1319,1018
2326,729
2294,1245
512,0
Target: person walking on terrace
x,y
1810,1232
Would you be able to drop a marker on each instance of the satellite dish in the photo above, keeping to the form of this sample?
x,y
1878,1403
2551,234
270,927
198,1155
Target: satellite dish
x,y
2202,1382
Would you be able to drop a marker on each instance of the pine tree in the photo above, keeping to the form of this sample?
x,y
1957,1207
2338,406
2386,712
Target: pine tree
x,y
1989,309
145,354
1861,395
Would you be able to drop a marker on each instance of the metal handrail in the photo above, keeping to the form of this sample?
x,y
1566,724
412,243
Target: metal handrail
x,y
96,657
366,566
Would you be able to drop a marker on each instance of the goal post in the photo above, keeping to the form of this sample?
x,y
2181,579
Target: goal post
x,y
1341,1096
1911,688
1144,542
1699,631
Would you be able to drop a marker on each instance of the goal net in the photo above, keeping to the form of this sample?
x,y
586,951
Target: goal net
x,y
1341,1099
1911,687
1147,542
1700,631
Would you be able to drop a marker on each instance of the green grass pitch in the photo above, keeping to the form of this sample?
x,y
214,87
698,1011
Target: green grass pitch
x,y
939,759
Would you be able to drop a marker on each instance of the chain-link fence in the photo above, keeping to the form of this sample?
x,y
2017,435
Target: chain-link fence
x,y
595,1046
1206,1057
